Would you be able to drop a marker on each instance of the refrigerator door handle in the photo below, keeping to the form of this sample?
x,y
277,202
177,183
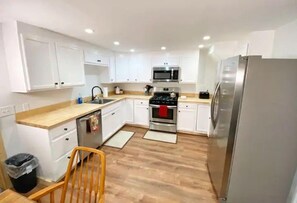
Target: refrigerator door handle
x,y
212,105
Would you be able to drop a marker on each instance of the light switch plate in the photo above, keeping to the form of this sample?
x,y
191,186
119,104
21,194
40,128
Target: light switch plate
x,y
6,111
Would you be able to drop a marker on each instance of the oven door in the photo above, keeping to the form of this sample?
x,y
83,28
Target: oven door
x,y
171,115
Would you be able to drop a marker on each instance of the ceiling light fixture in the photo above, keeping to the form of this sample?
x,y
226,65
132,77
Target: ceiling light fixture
x,y
163,48
89,31
116,43
132,50
206,37
201,46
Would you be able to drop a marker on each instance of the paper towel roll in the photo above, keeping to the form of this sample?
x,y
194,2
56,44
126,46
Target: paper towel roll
x,y
105,91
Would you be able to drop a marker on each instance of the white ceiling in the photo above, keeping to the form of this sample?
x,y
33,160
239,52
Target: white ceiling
x,y
146,25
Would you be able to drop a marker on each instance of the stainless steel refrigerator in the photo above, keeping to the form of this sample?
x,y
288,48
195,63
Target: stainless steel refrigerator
x,y
252,155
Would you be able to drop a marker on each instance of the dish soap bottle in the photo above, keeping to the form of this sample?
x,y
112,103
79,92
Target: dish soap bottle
x,y
80,99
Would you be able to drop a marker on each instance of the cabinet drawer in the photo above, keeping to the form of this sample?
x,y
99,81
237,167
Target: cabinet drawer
x,y
62,129
110,108
60,166
64,144
187,106
141,102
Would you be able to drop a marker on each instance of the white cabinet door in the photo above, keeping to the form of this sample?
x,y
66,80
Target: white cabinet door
x,y
122,68
173,61
186,118
189,69
129,111
144,73
112,70
117,119
141,114
70,65
95,58
163,60
203,118
39,61
135,66
107,126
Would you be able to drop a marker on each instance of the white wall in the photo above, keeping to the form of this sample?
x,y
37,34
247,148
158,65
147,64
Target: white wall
x,y
37,99
185,88
261,43
285,41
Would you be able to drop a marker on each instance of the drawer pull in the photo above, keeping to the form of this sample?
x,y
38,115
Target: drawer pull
x,y
68,157
187,106
65,129
67,139
112,113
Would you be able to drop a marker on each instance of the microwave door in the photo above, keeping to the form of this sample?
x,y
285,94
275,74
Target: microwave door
x,y
162,75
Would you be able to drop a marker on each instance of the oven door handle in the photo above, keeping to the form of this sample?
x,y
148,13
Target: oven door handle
x,y
164,124
158,106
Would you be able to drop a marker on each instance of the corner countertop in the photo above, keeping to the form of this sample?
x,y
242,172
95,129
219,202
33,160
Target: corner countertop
x,y
53,118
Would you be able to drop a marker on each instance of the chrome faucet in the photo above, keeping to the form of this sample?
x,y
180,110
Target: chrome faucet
x,y
93,97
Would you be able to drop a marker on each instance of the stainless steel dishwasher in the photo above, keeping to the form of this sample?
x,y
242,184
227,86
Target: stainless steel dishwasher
x,y
86,137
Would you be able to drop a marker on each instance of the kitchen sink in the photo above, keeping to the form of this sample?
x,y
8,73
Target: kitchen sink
x,y
101,101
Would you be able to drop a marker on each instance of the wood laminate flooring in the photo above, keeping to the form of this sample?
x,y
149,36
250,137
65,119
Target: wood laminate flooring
x,y
157,172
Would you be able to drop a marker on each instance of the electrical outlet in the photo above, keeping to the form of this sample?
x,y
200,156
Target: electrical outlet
x,y
7,111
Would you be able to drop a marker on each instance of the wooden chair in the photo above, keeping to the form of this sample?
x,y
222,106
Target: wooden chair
x,y
84,184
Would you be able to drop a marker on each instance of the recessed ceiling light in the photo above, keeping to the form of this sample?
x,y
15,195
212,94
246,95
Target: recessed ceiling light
x,y
201,46
132,50
89,31
116,43
163,48
206,37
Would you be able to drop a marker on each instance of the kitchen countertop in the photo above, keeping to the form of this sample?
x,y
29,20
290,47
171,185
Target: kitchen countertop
x,y
51,119
195,100
48,120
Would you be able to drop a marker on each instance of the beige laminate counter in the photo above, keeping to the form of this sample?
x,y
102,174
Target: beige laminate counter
x,y
195,100
53,118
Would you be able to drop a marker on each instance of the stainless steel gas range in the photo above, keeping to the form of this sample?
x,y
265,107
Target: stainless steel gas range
x,y
163,109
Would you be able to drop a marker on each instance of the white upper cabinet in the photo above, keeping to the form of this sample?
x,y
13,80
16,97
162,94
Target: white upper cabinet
x,y
133,68
93,57
163,60
137,68
70,65
122,68
112,70
38,63
140,68
189,69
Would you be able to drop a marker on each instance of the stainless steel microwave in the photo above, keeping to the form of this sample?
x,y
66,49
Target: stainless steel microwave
x,y
166,74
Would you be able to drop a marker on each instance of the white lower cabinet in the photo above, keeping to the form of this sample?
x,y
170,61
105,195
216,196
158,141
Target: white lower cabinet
x,y
186,117
52,148
112,120
203,119
141,112
129,111
193,118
